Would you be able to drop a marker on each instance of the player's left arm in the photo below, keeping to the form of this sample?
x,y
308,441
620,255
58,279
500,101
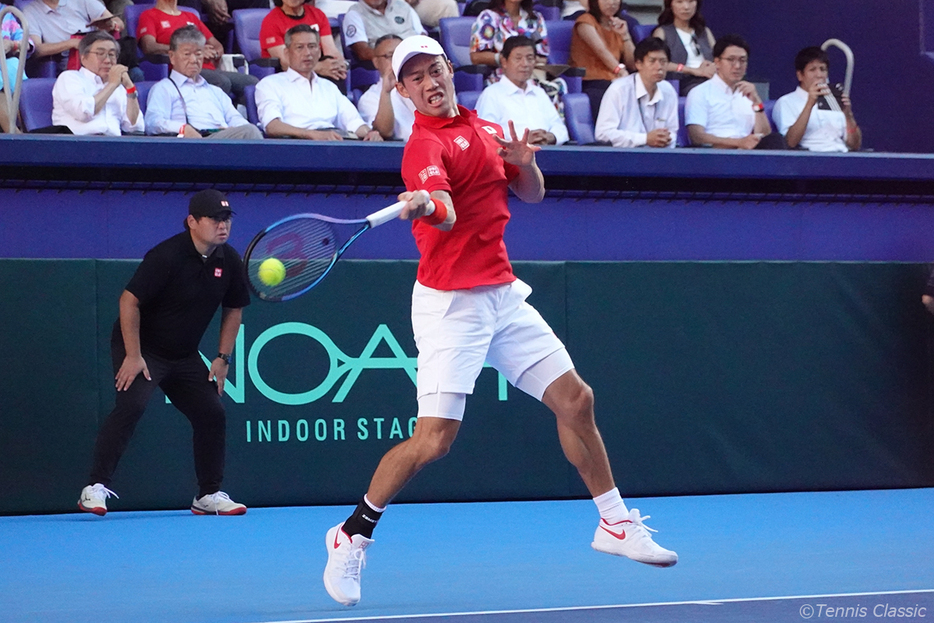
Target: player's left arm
x,y
230,326
529,185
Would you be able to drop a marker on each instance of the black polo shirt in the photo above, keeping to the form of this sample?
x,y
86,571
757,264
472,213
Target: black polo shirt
x,y
179,292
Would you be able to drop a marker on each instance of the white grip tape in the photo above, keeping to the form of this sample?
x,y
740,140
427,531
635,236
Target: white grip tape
x,y
386,214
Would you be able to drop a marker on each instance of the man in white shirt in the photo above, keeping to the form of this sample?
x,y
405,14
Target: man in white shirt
x,y
53,22
298,104
520,100
184,104
810,117
641,109
368,20
726,111
99,98
381,106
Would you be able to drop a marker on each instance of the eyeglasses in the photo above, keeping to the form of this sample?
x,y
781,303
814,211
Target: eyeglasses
x,y
111,54
388,57
742,61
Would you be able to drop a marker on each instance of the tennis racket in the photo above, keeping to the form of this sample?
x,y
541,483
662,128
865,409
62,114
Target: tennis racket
x,y
293,255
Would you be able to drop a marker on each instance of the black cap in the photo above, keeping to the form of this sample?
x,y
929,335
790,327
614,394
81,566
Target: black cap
x,y
210,202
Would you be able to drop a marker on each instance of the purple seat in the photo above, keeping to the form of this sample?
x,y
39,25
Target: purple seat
x,y
578,118
559,41
35,102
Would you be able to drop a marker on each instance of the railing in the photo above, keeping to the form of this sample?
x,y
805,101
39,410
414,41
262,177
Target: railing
x,y
11,87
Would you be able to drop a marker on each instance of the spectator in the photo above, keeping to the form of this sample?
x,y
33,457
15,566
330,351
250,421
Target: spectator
x,y
11,34
683,28
99,98
602,45
288,13
53,25
430,12
368,20
298,104
828,127
515,98
219,11
726,111
185,104
509,18
154,32
642,109
381,106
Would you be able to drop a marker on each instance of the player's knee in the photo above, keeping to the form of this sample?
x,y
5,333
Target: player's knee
x,y
435,444
577,405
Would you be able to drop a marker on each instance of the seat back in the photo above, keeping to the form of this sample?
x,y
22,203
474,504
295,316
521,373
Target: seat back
x,y
35,102
682,140
468,99
769,105
578,118
132,12
642,31
548,12
455,39
249,96
247,23
559,41
142,89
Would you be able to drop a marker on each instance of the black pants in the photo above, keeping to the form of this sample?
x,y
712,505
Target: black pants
x,y
185,382
594,89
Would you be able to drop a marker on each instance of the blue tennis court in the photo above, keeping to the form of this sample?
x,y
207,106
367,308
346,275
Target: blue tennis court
x,y
752,557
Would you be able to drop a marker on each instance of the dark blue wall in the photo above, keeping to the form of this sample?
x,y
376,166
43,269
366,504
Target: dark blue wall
x,y
893,84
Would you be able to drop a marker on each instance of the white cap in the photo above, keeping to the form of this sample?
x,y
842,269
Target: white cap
x,y
413,46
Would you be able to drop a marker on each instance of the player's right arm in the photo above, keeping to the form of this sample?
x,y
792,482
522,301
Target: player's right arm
x,y
133,363
416,206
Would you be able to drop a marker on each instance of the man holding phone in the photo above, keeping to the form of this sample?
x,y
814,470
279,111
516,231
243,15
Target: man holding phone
x,y
813,116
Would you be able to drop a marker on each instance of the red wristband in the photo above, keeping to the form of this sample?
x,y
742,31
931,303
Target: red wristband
x,y
439,215
131,90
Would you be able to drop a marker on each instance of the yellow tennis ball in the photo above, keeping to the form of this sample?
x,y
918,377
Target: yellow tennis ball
x,y
271,272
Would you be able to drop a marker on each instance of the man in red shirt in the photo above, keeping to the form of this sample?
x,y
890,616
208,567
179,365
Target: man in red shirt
x,y
288,13
468,307
154,31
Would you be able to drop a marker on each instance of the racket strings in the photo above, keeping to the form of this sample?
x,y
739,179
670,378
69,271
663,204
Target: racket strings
x,y
306,247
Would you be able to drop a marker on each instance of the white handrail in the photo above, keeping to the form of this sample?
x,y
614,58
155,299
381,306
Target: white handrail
x,y
848,81
11,88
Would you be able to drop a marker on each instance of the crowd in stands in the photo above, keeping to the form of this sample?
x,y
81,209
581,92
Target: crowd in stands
x,y
323,72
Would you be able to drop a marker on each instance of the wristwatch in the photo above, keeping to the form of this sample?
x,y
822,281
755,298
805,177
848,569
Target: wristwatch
x,y
224,356
760,107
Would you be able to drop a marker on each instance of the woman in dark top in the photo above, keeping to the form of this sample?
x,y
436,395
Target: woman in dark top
x,y
682,27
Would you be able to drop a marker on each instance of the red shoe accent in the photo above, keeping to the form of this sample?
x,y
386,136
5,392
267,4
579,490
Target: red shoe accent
x,y
100,512
620,535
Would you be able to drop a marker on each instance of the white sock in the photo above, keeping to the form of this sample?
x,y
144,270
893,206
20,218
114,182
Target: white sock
x,y
374,506
611,506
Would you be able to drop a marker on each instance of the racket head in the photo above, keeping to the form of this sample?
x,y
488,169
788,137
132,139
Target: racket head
x,y
307,245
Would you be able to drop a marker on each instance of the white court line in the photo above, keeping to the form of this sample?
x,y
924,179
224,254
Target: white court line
x,y
703,602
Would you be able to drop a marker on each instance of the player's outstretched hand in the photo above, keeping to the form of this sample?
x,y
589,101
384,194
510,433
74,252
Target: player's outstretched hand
x,y
517,151
129,370
416,205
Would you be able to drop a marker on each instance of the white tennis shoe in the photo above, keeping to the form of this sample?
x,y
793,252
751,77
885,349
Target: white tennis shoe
x,y
631,538
346,559
217,504
94,499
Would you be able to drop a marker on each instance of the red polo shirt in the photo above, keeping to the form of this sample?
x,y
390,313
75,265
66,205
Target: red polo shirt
x,y
272,30
161,25
459,155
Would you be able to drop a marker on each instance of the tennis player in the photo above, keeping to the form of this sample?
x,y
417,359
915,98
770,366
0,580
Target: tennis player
x,y
468,307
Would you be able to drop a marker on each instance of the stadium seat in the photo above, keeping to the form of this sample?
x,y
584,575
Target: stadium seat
x,y
682,140
249,95
769,105
35,102
548,12
142,89
643,31
578,118
468,99
247,23
455,39
559,41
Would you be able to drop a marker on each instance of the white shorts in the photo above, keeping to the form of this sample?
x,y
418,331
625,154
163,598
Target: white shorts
x,y
457,331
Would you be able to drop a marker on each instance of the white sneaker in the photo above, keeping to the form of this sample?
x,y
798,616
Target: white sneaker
x,y
217,504
94,499
346,558
631,538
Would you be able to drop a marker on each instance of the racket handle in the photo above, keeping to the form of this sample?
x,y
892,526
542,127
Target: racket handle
x,y
386,214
